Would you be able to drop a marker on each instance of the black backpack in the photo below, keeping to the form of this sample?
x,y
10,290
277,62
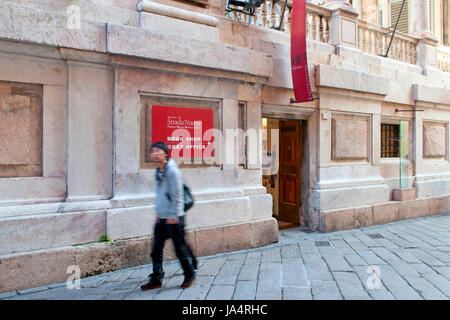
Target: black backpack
x,y
188,199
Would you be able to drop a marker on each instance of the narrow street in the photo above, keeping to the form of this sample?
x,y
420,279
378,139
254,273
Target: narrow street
x,y
402,260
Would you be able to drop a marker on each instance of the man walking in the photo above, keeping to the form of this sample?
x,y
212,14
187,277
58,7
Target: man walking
x,y
169,219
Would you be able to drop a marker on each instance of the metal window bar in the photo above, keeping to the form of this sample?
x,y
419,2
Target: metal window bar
x,y
390,141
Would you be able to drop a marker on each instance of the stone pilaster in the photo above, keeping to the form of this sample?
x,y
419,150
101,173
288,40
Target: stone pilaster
x,y
344,24
420,27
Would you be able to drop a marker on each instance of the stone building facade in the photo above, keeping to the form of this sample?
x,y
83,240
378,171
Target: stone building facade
x,y
77,79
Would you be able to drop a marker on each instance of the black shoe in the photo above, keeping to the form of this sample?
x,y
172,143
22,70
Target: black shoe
x,y
187,283
162,274
152,284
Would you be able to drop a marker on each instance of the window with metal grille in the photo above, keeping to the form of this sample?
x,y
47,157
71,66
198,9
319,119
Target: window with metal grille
x,y
390,140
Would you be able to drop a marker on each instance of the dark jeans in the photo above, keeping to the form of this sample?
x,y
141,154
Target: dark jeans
x,y
184,254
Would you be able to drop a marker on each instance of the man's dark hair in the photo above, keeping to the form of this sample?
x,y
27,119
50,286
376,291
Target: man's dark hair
x,y
161,145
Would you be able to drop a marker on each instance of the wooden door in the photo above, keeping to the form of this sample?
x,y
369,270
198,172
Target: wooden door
x,y
290,171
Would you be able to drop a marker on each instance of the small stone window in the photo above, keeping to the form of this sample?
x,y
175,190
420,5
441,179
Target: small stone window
x,y
242,125
390,140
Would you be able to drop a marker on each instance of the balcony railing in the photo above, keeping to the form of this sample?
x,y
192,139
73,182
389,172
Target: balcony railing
x,y
375,39
372,39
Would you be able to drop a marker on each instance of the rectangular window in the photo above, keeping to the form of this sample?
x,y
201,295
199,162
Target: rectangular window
x,y
390,140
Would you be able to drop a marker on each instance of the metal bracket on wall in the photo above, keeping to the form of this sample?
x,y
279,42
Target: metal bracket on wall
x,y
292,100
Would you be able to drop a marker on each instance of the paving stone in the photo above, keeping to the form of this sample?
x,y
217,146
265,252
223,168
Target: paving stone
x,y
142,274
119,294
342,247
396,285
170,289
118,276
377,293
403,268
406,256
370,257
325,290
422,268
297,294
415,242
337,263
211,267
220,293
269,282
350,286
385,254
56,285
293,273
199,290
316,268
426,258
228,273
33,290
441,256
290,251
29,296
330,251
271,255
249,271
77,294
425,289
245,290
439,282
394,238
420,234
237,257
355,260
364,238
131,284
253,257
444,271
425,234
8,294
138,294
308,247
357,245
91,283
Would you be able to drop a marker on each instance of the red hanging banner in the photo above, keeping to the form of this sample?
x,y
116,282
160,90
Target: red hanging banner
x,y
299,62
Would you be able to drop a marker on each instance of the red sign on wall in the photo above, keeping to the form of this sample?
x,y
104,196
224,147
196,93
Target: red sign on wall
x,y
299,63
182,129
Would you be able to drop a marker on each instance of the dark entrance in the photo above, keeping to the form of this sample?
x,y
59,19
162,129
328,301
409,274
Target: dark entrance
x,y
284,184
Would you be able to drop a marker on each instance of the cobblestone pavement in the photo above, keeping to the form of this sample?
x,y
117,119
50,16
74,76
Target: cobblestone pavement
x,y
402,260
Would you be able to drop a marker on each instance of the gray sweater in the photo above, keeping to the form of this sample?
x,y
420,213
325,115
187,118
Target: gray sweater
x,y
169,185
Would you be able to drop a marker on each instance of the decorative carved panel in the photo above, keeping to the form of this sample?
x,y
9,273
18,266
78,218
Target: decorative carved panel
x,y
20,129
434,140
349,137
